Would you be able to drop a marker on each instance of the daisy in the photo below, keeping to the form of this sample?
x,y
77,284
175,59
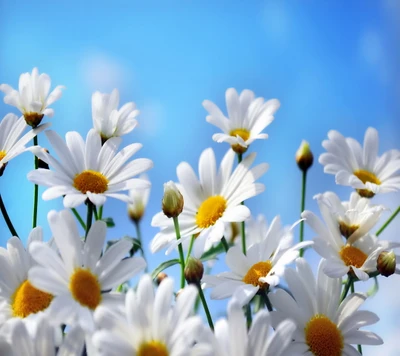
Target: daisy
x,y
357,255
260,269
138,200
81,277
88,170
247,117
41,341
325,327
361,168
32,97
108,120
210,202
11,142
233,339
18,297
148,325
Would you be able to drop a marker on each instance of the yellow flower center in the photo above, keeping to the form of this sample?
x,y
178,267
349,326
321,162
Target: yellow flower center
x,y
2,154
352,256
152,348
28,300
260,269
90,181
244,134
210,211
323,336
365,176
347,230
85,288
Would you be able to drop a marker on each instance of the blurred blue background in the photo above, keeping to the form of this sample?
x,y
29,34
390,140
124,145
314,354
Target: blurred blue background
x,y
333,65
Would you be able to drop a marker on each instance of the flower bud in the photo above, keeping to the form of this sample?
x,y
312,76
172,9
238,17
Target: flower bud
x,y
194,271
160,277
172,202
304,156
386,264
33,118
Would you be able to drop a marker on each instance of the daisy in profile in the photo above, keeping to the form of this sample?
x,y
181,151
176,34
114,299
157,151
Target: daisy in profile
x,y
148,325
324,326
138,200
108,120
88,170
18,297
232,337
361,168
32,97
210,202
41,340
11,142
259,270
247,118
80,277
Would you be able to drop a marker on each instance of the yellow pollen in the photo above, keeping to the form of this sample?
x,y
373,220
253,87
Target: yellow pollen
x,y
244,134
347,230
90,181
2,154
365,177
152,348
323,336
352,256
85,288
210,211
28,300
260,269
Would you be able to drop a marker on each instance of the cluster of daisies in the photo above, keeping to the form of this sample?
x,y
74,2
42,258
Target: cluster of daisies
x,y
70,294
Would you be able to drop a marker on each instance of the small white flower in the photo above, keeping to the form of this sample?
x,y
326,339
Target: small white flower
x,y
32,97
247,118
361,168
108,120
138,200
88,170
81,277
325,327
148,325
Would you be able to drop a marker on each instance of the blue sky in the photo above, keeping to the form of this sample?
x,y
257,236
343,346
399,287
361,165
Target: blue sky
x,y
333,65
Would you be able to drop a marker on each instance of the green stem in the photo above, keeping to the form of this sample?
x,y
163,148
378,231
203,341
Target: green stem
x,y
225,243
303,203
190,249
242,224
78,217
36,190
388,221
205,306
7,218
249,316
96,217
359,348
139,237
346,288
101,212
267,302
180,249
89,217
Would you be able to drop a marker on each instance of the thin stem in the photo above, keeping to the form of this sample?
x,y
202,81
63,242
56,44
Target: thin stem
x,y
96,217
79,218
388,221
249,316
205,306
352,287
89,217
35,190
180,249
101,212
359,348
7,218
190,249
139,237
267,302
242,224
346,288
225,243
303,203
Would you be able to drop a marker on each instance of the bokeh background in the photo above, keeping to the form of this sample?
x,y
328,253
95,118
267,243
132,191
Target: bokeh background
x,y
332,64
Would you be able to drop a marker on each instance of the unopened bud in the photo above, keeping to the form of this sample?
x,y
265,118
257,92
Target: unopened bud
x,y
160,277
386,264
304,156
43,164
172,202
33,118
194,271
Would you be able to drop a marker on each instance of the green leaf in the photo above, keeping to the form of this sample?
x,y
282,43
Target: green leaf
x,y
164,266
213,252
109,222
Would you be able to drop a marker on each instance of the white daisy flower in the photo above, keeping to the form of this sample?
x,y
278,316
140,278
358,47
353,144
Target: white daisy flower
x,y
210,202
138,200
88,170
361,168
11,142
325,327
247,118
232,338
41,341
260,269
108,120
32,97
18,297
81,277
148,325
357,255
